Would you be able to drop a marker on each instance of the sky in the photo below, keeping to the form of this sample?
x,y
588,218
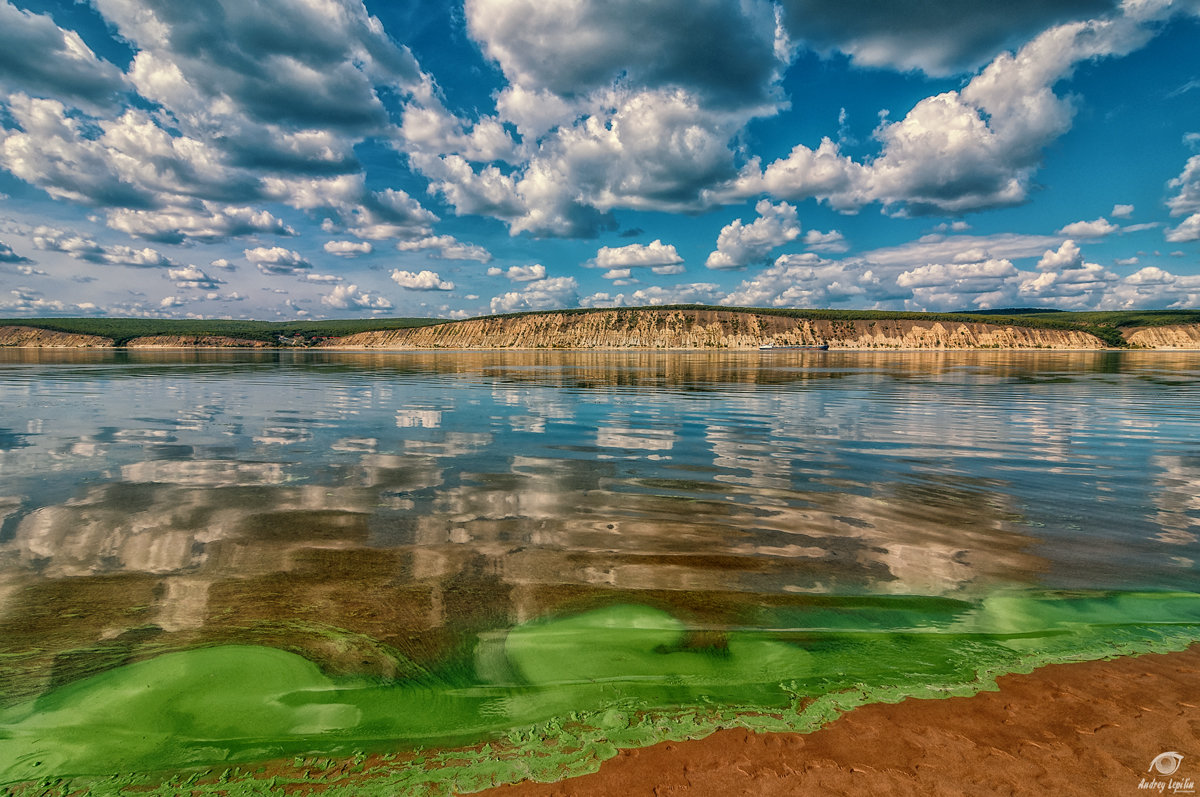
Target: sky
x,y
291,159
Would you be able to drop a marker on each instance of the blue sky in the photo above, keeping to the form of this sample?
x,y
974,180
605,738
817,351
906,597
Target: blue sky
x,y
283,159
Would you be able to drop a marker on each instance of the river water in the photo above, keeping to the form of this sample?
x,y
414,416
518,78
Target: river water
x,y
215,556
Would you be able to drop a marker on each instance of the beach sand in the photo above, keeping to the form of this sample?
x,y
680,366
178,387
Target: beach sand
x,y
1090,728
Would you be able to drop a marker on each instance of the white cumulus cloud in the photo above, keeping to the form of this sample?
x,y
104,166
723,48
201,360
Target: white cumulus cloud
x,y
965,150
832,241
655,253
1066,256
1187,230
656,296
740,245
348,297
7,255
42,58
193,277
677,268
1097,228
276,260
1188,183
546,294
348,248
520,273
446,247
51,239
421,281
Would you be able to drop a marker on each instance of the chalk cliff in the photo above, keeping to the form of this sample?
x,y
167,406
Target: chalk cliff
x,y
194,341
661,329
709,329
1175,336
49,339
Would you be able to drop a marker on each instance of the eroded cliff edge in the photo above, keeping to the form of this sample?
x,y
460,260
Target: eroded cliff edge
x,y
194,341
50,339
655,328
709,329
38,338
1173,336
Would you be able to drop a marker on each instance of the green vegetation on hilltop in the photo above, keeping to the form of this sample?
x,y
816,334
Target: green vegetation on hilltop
x,y
350,326
1122,318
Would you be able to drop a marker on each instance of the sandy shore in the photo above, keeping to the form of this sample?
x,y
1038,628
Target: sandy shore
x,y
1073,729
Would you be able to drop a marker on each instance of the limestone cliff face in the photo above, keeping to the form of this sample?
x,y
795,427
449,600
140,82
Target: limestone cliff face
x,y
49,339
192,341
708,329
1175,336
660,329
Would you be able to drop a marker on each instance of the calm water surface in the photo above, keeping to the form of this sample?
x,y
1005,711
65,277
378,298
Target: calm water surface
x,y
481,522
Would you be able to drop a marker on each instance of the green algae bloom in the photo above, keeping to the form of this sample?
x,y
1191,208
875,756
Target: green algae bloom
x,y
558,695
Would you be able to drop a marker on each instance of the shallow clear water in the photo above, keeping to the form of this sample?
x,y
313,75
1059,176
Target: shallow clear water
x,y
402,549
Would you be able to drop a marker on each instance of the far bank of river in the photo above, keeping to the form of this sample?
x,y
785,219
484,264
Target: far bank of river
x,y
692,330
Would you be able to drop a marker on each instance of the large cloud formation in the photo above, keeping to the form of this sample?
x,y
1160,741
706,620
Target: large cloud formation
x,y
968,150
609,122
1186,202
265,101
740,245
249,103
249,119
38,56
613,106
937,36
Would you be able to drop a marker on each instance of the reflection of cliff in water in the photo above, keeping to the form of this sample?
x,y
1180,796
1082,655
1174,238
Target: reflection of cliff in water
x,y
566,368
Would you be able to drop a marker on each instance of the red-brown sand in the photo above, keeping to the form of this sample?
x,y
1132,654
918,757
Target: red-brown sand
x,y
1071,729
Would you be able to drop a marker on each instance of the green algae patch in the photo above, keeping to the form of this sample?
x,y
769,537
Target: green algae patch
x,y
175,710
621,643
553,697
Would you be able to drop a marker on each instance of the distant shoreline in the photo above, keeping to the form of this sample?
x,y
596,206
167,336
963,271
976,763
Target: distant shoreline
x,y
675,328
597,350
